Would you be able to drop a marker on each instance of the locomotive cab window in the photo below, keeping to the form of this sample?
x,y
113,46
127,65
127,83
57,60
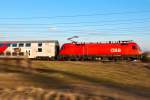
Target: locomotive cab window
x,y
134,47
62,47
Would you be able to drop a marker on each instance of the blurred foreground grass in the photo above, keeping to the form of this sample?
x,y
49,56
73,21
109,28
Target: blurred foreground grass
x,y
128,80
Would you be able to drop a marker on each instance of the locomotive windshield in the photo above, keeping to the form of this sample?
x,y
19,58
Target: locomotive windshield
x,y
63,47
134,47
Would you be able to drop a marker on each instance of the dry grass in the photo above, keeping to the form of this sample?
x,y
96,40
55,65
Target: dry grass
x,y
123,73
121,80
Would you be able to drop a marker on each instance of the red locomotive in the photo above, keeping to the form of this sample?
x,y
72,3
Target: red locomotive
x,y
120,50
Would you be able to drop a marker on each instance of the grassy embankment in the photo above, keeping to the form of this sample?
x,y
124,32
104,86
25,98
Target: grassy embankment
x,y
81,77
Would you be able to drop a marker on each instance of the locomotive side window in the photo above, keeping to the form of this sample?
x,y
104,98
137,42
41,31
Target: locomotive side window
x,y
39,49
39,44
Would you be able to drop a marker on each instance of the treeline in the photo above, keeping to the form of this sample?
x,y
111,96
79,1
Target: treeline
x,y
146,57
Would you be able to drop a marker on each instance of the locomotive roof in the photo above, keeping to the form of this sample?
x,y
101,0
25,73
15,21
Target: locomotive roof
x,y
107,42
32,41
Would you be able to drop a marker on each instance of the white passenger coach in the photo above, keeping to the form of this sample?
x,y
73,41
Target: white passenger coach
x,y
40,49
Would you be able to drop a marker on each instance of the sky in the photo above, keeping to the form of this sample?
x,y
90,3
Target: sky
x,y
91,20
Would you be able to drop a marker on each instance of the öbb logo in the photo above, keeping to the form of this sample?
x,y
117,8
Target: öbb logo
x,y
115,50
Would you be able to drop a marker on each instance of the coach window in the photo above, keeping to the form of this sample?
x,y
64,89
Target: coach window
x,y
14,45
1,45
28,44
21,45
8,45
8,54
39,44
21,54
39,49
14,54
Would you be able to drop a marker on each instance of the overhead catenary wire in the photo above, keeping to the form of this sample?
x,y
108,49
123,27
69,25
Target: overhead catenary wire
x,y
115,28
80,25
76,31
71,24
128,20
78,15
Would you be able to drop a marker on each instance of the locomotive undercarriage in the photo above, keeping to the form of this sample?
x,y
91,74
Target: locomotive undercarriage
x,y
99,57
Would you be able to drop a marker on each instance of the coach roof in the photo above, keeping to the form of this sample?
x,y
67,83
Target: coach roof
x,y
32,41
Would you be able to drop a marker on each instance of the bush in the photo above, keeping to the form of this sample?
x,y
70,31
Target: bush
x,y
146,57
